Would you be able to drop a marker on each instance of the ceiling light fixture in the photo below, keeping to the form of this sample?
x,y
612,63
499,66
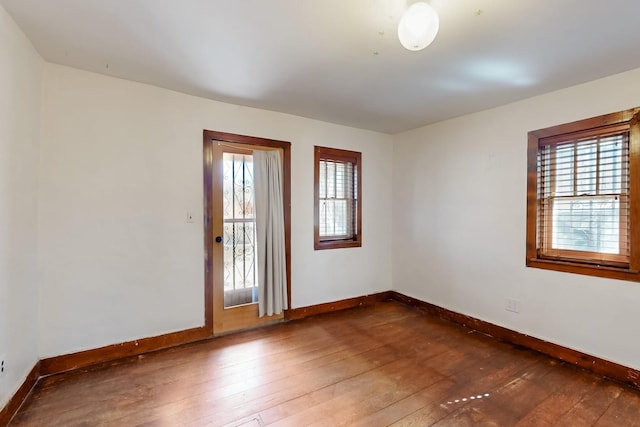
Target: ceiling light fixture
x,y
418,26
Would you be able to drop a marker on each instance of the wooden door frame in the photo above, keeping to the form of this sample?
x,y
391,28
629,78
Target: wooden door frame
x,y
209,137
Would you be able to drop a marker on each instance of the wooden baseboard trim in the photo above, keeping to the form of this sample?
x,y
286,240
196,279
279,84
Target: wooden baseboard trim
x,y
312,310
16,401
67,362
594,364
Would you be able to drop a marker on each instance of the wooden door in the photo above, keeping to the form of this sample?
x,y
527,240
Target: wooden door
x,y
235,292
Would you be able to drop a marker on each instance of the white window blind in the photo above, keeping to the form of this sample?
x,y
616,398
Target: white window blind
x,y
583,196
337,199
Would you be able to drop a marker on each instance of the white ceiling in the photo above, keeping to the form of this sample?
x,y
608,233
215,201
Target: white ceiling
x,y
340,60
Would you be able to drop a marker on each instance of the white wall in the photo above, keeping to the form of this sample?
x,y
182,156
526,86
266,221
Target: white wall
x,y
122,164
20,80
459,225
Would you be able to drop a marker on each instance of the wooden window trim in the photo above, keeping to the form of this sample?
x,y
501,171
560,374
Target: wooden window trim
x,y
335,154
627,118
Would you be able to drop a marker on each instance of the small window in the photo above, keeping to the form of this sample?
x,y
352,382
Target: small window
x,y
582,187
338,198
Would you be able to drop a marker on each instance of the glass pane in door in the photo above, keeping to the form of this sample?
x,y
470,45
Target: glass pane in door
x,y
240,281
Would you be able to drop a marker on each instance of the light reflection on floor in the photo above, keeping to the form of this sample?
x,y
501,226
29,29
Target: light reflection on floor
x,y
468,399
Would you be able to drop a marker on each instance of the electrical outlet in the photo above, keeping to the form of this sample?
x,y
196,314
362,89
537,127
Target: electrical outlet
x,y
512,305
3,365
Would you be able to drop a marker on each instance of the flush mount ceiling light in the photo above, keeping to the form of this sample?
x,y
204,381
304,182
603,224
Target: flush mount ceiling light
x,y
418,26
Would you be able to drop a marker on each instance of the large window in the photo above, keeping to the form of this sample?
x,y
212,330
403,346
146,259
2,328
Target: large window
x,y
582,190
338,201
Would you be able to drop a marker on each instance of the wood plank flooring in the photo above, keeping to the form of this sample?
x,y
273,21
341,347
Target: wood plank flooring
x,y
376,366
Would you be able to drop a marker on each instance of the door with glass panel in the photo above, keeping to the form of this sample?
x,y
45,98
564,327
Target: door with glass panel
x,y
235,285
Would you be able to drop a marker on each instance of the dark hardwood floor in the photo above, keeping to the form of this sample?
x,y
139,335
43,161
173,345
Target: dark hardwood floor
x,y
382,365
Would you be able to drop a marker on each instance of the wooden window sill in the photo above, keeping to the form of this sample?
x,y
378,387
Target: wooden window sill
x,y
620,273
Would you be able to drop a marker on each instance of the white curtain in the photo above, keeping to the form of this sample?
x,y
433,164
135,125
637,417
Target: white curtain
x,y
272,270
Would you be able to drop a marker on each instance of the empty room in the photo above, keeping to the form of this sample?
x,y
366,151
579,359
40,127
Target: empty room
x,y
286,212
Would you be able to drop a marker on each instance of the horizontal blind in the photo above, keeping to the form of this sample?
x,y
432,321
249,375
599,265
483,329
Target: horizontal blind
x,y
337,201
583,197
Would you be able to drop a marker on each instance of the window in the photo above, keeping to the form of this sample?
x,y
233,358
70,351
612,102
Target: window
x,y
338,198
583,187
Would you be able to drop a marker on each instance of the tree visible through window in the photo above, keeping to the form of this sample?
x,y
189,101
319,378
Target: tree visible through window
x,y
580,196
337,222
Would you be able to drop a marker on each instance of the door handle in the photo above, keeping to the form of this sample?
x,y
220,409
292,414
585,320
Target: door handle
x,y
218,239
